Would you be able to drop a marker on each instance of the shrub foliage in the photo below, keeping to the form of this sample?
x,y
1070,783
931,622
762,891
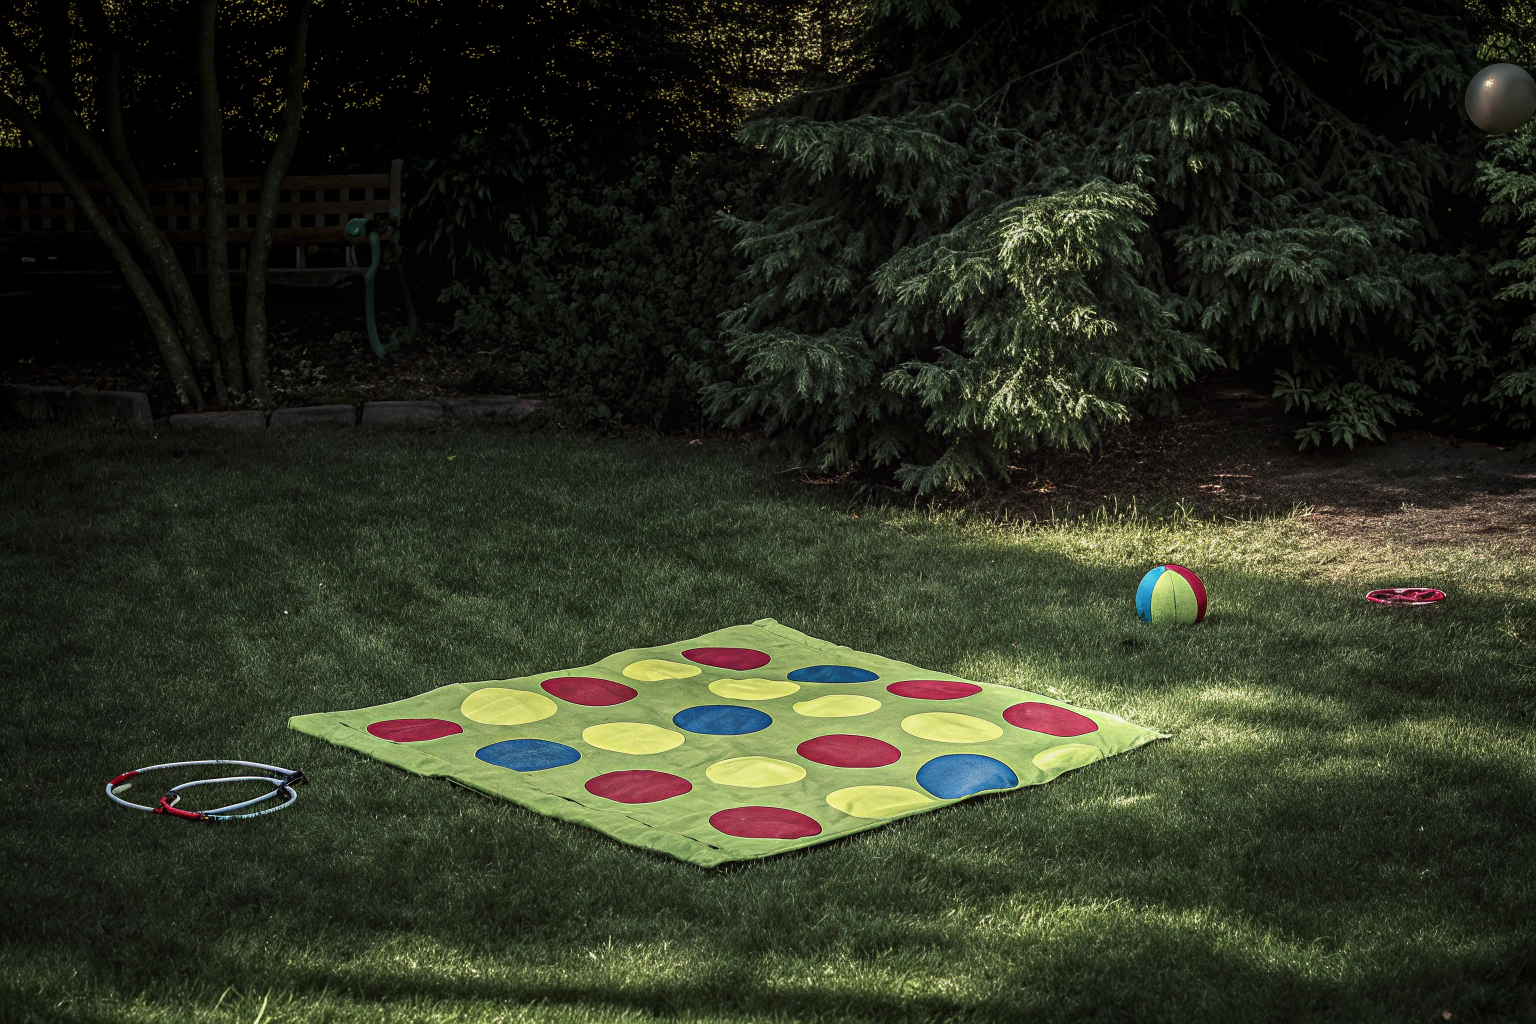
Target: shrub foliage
x,y
1034,219
1023,222
607,288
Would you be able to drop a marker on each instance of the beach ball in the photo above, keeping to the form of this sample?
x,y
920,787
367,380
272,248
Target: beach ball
x,y
1171,594
1501,98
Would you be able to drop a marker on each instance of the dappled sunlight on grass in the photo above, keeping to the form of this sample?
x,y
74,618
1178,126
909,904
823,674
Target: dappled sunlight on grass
x,y
1337,829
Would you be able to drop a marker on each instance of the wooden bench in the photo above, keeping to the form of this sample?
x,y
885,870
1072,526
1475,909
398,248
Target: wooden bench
x,y
41,230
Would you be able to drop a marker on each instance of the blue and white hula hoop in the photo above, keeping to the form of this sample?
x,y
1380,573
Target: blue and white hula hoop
x,y
282,785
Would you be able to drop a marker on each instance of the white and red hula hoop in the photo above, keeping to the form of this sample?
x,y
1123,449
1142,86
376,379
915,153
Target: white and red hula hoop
x,y
283,780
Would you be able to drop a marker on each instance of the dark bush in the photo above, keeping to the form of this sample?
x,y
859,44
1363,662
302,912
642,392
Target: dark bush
x,y
611,287
1030,220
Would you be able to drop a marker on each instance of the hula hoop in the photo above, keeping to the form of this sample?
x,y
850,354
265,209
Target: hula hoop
x,y
1406,596
281,785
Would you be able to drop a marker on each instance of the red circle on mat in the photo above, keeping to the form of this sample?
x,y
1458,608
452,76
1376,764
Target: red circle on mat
x,y
764,823
585,690
933,689
736,659
843,751
638,787
413,730
1049,719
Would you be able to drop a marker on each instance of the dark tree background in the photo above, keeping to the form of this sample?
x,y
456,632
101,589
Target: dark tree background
x,y
402,78
1029,220
920,236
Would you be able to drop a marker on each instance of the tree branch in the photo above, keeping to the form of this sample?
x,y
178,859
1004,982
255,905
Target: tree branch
x,y
161,256
1001,94
266,210
160,322
154,243
53,20
888,78
109,89
221,314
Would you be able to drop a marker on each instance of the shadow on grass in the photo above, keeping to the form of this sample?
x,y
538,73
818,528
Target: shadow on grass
x,y
1340,828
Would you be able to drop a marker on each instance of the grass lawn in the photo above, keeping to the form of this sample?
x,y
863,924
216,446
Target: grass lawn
x,y
1340,829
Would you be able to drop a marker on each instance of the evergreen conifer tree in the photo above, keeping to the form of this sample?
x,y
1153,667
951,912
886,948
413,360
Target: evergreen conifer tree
x,y
1030,220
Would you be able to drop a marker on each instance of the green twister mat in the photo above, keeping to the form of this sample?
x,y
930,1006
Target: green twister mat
x,y
743,743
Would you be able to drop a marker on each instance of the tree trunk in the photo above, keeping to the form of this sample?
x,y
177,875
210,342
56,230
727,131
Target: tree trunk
x,y
156,247
266,211
109,96
160,322
53,21
221,314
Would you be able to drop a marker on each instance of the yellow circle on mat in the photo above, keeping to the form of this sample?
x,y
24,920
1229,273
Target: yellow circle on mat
x,y
652,669
496,705
1066,757
837,705
947,727
752,689
754,772
877,801
631,737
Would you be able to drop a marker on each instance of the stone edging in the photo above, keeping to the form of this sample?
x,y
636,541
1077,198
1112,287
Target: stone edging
x,y
43,405
56,404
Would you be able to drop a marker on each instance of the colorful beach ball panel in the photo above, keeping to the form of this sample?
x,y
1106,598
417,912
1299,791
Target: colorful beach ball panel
x,y
1171,594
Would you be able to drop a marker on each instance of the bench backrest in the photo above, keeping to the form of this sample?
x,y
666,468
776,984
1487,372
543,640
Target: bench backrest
x,y
312,210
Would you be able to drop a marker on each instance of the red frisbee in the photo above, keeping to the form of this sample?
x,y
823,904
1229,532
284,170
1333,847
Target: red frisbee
x,y
1406,596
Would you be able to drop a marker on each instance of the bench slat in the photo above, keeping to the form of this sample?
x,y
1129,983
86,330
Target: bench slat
x,y
23,228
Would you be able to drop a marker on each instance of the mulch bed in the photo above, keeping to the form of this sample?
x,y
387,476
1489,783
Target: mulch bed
x,y
1231,452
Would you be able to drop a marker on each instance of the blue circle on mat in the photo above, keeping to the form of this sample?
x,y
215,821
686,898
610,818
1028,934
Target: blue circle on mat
x,y
528,755
953,776
833,674
722,720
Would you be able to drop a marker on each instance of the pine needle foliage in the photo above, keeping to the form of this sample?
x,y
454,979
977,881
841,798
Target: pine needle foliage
x,y
1032,220
1507,178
